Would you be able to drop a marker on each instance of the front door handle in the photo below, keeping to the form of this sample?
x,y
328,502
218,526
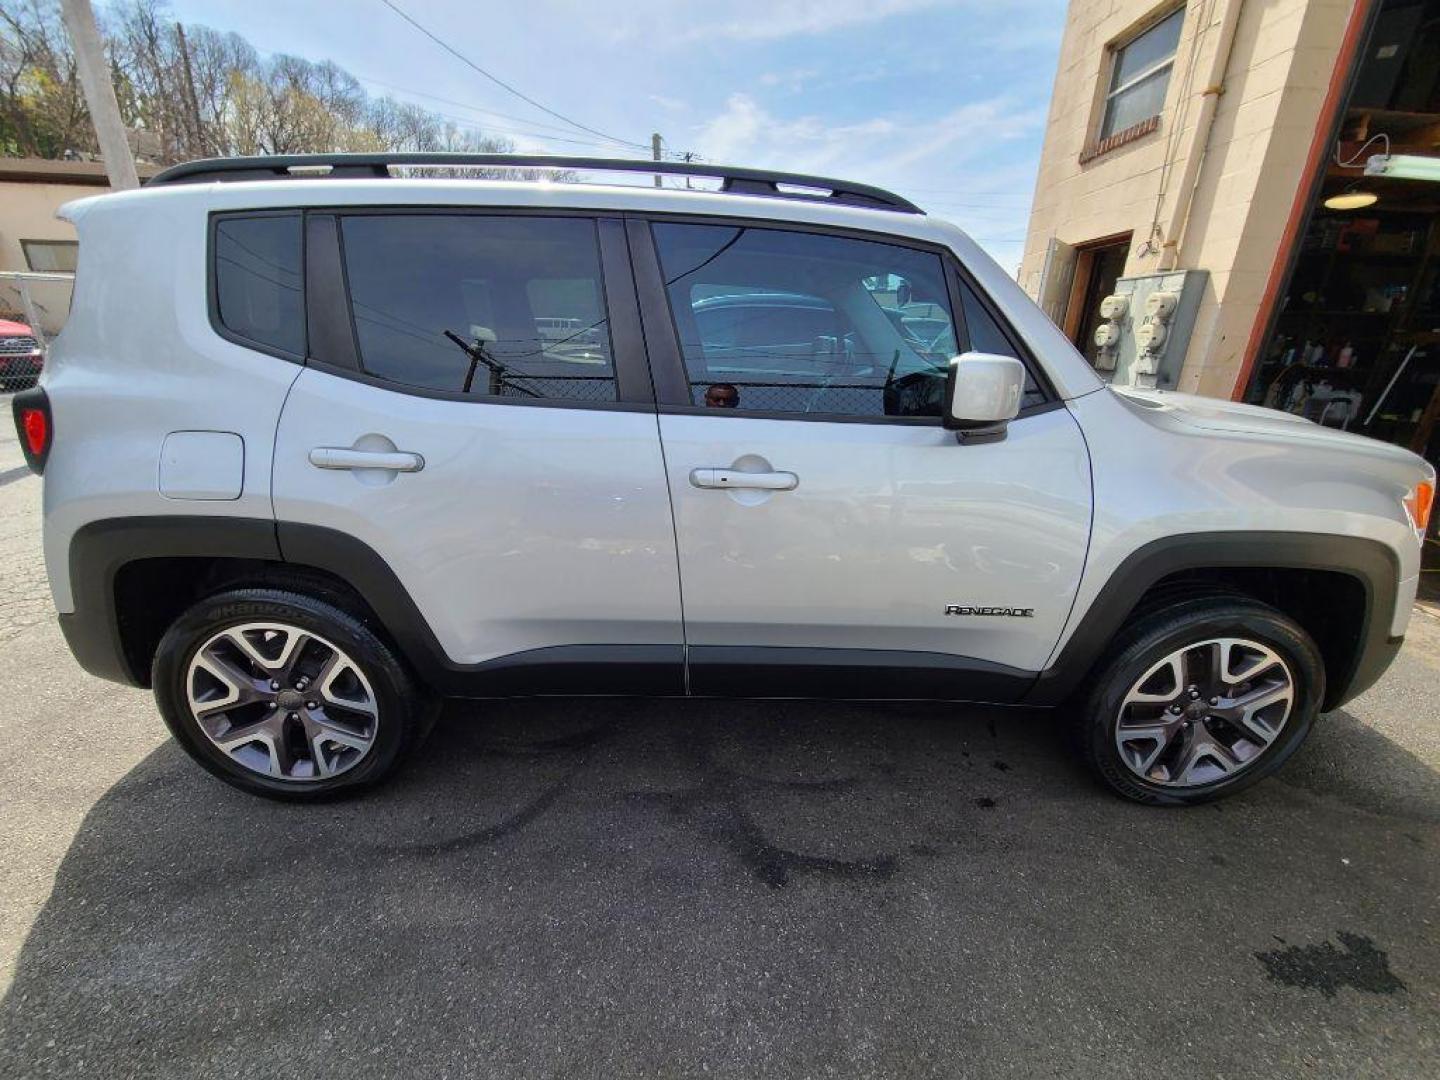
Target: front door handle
x,y
733,478
344,457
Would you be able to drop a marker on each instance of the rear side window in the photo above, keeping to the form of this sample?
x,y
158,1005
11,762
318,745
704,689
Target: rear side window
x,y
495,306
258,278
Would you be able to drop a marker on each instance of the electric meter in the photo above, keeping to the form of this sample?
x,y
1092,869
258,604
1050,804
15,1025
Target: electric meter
x,y
1161,305
1107,335
1114,307
1150,336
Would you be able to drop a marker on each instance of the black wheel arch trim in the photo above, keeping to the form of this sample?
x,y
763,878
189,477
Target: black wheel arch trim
x,y
100,549
1369,562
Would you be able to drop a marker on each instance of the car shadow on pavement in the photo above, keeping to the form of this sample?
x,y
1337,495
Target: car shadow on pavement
x,y
616,887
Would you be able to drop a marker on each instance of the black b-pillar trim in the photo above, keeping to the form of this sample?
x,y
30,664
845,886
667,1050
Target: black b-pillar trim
x,y
327,301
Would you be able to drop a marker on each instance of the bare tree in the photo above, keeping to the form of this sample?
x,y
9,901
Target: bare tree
x,y
42,109
191,92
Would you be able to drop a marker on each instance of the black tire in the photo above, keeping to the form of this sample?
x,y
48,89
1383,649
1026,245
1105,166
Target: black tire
x,y
1157,635
404,713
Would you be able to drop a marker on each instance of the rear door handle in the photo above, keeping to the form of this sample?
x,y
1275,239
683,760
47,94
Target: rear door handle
x,y
732,478
343,457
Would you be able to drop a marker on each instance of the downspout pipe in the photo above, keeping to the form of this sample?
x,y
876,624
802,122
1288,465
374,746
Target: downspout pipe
x,y
1199,141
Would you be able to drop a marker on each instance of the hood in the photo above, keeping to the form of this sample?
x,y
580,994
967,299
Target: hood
x,y
8,326
1231,417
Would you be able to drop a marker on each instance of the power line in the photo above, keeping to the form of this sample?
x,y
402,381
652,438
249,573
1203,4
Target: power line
x,y
475,108
501,82
485,129
535,130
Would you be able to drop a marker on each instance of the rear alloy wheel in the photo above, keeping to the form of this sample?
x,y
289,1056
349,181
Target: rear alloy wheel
x,y
286,695
282,702
1201,699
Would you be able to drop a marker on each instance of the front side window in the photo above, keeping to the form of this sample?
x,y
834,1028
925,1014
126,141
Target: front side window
x,y
776,321
987,337
1140,75
258,275
494,306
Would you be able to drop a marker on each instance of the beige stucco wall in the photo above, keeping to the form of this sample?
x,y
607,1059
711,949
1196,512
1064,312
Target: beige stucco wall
x,y
1253,161
27,212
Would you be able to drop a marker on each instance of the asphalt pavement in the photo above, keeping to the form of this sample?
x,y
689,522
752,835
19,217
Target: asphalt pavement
x,y
616,888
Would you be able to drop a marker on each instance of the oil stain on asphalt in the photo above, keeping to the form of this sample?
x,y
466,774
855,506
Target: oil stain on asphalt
x,y
1357,963
714,806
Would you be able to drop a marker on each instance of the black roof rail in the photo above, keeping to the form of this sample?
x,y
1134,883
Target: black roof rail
x,y
359,166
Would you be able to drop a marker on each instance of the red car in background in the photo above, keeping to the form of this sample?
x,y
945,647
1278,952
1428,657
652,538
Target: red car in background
x,y
21,356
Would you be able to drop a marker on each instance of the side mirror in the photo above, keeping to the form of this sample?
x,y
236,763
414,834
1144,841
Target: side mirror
x,y
982,394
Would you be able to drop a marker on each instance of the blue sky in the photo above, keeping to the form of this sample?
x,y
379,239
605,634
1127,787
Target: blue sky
x,y
942,101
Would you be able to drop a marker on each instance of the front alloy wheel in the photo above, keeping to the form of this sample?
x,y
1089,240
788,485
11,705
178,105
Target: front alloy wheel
x,y
1205,712
1201,698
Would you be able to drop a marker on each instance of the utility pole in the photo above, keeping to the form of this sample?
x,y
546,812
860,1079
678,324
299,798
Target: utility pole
x,y
199,145
655,153
100,94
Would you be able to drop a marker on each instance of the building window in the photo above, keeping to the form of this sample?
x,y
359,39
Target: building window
x,y
51,256
1140,75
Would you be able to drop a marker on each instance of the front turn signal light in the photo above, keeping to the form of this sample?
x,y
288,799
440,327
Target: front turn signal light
x,y
1418,504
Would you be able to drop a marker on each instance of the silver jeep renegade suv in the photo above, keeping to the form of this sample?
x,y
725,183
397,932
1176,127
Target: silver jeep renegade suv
x,y
325,439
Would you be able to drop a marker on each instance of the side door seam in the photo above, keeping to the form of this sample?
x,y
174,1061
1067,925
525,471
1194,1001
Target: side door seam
x,y
1084,559
665,468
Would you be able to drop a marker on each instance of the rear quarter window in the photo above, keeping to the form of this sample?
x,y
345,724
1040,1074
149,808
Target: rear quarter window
x,y
258,273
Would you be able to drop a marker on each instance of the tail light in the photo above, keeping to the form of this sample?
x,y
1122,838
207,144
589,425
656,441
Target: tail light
x,y
1418,505
35,426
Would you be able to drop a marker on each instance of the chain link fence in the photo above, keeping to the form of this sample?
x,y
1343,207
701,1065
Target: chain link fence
x,y
33,307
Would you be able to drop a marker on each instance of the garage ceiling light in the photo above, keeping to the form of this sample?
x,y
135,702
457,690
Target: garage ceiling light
x,y
1352,200
1404,166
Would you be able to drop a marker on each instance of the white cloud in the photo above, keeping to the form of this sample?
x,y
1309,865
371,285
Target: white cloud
x,y
793,80
745,132
758,20
946,163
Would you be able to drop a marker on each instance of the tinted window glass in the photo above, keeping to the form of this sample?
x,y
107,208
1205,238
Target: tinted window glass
x,y
258,273
986,336
762,319
775,321
523,296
